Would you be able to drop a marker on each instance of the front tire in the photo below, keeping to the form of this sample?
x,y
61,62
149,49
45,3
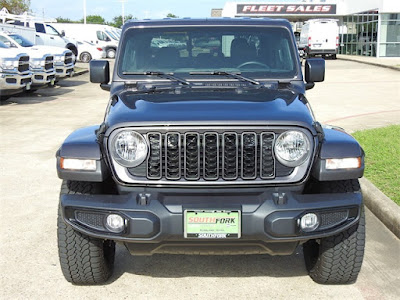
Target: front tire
x,y
337,259
84,260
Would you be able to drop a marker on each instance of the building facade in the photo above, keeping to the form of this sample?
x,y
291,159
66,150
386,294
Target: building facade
x,y
367,27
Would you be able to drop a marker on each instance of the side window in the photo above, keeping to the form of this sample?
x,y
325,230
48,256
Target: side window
x,y
101,36
40,28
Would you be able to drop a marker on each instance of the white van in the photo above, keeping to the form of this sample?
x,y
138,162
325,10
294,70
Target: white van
x,y
320,37
101,35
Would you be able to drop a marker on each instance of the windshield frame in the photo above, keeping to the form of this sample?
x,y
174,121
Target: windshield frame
x,y
297,76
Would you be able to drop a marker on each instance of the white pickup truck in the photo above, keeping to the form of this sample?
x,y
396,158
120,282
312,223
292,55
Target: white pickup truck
x,y
41,60
15,74
63,58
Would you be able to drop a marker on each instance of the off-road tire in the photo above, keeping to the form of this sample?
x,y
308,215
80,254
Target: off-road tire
x,y
84,260
337,259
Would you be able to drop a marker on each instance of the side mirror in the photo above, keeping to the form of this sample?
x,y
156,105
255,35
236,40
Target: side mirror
x,y
62,33
314,71
100,73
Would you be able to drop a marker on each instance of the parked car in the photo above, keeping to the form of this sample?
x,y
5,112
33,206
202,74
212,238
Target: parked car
x,y
210,151
100,35
64,59
41,60
15,74
89,51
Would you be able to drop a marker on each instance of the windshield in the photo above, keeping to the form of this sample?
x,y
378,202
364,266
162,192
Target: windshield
x,y
21,40
265,52
112,35
2,45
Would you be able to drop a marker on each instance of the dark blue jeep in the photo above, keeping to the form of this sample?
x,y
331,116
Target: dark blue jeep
x,y
209,145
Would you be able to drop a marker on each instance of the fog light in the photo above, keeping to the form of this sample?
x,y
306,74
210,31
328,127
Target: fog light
x,y
309,222
115,223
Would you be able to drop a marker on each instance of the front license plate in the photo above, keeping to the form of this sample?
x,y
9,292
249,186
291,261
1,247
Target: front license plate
x,y
212,224
28,86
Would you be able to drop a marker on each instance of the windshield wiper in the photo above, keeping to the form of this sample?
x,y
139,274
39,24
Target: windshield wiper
x,y
230,74
169,76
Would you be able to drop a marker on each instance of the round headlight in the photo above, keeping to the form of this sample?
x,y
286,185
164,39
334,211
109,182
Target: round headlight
x,y
129,148
292,148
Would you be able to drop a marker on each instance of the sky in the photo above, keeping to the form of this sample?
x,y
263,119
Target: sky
x,y
141,9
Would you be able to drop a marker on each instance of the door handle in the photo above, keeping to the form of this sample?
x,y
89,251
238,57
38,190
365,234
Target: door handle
x,y
51,38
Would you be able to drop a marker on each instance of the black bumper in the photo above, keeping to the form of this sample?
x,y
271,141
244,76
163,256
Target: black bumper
x,y
154,218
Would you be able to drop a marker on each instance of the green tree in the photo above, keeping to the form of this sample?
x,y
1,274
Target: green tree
x,y
170,15
15,6
65,20
94,19
117,21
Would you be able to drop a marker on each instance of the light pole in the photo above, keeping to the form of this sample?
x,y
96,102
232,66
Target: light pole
x,y
84,11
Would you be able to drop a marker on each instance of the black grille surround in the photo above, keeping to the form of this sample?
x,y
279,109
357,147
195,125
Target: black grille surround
x,y
68,58
229,155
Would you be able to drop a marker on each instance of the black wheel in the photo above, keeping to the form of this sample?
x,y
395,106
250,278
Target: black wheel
x,y
337,259
83,259
111,53
85,57
334,56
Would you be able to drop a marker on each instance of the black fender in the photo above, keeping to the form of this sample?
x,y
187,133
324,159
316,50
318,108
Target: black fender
x,y
83,144
73,48
336,143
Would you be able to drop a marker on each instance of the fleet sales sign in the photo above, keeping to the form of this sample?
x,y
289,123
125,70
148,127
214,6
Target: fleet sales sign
x,y
285,9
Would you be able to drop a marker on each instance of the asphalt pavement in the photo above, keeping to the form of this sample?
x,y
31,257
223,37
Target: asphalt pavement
x,y
354,96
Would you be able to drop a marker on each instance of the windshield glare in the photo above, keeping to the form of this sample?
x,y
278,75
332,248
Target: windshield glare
x,y
21,40
263,52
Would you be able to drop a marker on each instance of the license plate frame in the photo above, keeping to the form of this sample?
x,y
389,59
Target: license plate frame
x,y
212,224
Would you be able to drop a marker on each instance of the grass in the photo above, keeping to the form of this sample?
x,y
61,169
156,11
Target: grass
x,y
382,162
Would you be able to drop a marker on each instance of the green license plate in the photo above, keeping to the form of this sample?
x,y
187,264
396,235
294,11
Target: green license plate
x,y
212,224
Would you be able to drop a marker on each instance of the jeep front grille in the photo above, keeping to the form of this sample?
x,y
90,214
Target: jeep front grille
x,y
210,156
23,64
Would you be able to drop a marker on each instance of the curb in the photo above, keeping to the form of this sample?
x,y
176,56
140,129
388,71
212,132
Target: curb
x,y
382,207
80,72
370,63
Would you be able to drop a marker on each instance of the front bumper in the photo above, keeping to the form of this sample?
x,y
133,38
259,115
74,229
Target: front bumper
x,y
43,77
154,218
64,70
13,83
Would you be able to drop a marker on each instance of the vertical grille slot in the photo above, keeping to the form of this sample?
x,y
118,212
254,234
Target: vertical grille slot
x,y
267,162
211,156
154,169
192,156
230,154
249,155
173,156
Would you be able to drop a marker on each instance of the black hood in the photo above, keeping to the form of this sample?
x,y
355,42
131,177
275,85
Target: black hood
x,y
268,107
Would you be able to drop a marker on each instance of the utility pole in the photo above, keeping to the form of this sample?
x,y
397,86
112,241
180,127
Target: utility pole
x,y
84,11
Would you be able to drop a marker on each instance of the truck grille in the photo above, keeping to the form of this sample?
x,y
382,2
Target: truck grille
x,y
210,156
49,63
23,64
68,58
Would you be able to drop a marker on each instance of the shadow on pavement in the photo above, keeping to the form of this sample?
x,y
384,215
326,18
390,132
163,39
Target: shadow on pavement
x,y
177,266
45,94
